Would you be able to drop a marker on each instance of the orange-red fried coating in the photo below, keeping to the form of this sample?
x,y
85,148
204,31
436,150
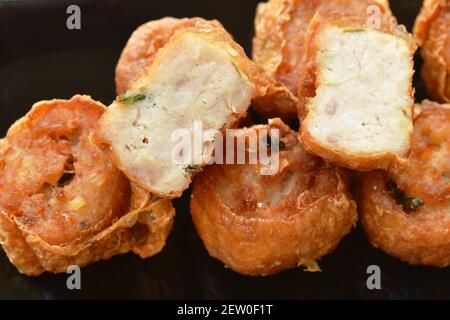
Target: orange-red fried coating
x,y
62,200
279,43
260,225
432,32
421,234
143,44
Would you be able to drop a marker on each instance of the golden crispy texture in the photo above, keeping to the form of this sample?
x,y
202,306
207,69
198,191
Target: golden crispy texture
x,y
422,236
145,41
432,33
260,225
380,151
200,76
62,201
279,43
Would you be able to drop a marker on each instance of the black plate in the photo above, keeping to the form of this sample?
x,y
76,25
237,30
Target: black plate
x,y
41,59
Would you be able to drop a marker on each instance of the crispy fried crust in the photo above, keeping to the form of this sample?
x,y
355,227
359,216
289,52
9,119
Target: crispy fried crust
x,y
260,225
130,129
145,41
309,82
279,43
423,236
432,33
62,201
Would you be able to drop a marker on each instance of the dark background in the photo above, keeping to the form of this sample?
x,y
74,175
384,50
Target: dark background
x,y
41,59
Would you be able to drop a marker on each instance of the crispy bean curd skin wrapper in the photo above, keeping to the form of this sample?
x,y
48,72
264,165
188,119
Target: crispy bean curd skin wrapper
x,y
260,225
421,236
340,121
279,43
145,41
62,200
200,77
432,33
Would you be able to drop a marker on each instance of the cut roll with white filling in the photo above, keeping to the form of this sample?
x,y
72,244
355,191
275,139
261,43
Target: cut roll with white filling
x,y
358,106
200,78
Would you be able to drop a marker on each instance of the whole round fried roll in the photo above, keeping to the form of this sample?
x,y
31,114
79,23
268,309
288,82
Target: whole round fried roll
x,y
279,43
62,200
262,224
432,33
143,44
407,215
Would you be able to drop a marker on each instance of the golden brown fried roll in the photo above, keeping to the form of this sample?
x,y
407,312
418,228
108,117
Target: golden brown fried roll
x,y
407,215
341,121
200,78
432,33
259,225
279,43
143,44
62,200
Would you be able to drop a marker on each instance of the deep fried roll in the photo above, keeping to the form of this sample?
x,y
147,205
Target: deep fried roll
x,y
356,94
262,224
407,214
201,79
279,43
62,200
432,33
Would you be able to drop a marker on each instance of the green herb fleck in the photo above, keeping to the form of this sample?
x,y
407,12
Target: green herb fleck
x,y
398,194
66,178
84,224
238,70
409,203
130,98
193,168
412,204
353,30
